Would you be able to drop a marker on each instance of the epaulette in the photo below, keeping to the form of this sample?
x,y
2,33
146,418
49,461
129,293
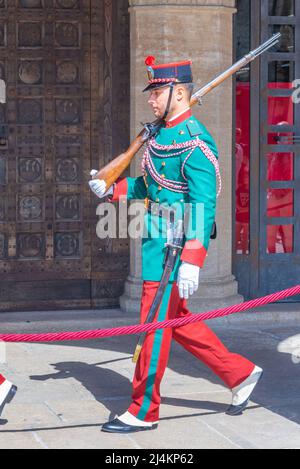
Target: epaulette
x,y
194,128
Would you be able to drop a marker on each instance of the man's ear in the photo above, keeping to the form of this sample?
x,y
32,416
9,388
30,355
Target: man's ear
x,y
179,93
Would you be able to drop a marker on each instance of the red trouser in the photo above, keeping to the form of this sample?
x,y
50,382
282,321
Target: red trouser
x,y
197,338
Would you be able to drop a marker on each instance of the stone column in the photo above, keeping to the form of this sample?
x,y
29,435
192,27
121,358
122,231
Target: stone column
x,y
174,30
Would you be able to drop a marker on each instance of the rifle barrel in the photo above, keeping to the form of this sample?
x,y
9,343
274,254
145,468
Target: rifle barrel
x,y
266,45
252,55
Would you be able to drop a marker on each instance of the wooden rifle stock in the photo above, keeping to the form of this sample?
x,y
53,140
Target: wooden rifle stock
x,y
111,172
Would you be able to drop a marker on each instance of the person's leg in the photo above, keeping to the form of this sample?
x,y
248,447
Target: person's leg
x,y
7,392
197,338
204,344
154,355
236,371
143,413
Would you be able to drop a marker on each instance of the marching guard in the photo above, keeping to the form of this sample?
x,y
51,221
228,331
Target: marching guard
x,y
180,168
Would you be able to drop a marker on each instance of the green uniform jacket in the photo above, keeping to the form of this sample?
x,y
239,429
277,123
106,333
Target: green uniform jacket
x,y
197,174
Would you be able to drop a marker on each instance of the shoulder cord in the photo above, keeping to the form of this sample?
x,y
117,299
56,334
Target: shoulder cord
x,y
181,148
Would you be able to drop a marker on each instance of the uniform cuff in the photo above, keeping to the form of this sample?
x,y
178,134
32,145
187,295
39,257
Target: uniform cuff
x,y
120,190
194,253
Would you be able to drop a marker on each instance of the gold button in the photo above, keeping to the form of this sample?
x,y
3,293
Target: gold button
x,y
159,188
163,164
163,176
157,200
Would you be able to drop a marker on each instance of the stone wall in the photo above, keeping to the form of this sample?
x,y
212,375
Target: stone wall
x,y
201,31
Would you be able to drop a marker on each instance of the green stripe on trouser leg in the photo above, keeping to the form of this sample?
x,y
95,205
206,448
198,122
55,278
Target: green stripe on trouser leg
x,y
155,354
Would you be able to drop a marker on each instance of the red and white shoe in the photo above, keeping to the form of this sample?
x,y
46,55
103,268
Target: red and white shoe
x,y
7,393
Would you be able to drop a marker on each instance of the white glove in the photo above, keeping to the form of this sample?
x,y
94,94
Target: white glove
x,y
98,186
188,280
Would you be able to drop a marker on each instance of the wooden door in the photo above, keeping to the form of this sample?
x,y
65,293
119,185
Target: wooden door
x,y
66,68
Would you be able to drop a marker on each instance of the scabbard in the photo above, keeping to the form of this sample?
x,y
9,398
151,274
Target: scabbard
x,y
171,258
152,312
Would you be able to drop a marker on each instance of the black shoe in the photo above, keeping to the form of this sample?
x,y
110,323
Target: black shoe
x,y
116,426
8,398
238,409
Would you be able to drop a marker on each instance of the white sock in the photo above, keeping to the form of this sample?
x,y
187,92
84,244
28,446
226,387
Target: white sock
x,y
130,419
241,393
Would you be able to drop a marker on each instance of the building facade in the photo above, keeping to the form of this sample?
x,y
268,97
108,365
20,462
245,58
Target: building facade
x,y
266,250
74,73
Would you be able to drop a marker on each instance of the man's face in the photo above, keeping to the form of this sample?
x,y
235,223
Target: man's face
x,y
158,100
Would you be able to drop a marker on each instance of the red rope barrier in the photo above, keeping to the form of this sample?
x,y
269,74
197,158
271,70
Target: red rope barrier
x,y
138,329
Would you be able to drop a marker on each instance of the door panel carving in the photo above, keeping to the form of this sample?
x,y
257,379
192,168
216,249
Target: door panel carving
x,y
64,70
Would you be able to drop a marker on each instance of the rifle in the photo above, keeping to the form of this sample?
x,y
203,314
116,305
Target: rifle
x,y
113,170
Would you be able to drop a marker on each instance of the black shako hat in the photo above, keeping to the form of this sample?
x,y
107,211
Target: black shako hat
x,y
165,74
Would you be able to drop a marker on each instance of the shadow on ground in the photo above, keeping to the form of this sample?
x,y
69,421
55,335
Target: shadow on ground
x,y
279,390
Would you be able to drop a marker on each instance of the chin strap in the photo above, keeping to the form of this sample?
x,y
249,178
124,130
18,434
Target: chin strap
x,y
169,101
153,128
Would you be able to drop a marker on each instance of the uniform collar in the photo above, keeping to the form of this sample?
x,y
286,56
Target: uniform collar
x,y
179,118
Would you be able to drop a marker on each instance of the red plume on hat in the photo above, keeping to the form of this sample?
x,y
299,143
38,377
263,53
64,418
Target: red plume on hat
x,y
150,60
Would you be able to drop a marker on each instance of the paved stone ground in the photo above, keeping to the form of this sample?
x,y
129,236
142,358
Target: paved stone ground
x,y
68,390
